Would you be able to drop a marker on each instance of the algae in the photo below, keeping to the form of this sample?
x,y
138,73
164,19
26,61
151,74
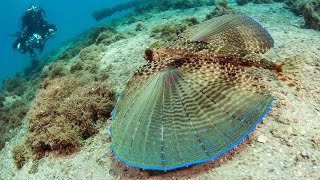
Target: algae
x,y
20,155
221,8
168,31
64,114
309,9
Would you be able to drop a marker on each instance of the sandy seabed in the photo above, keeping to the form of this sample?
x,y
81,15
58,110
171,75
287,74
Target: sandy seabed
x,y
291,129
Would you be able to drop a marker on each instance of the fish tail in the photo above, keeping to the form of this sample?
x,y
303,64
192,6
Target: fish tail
x,y
289,72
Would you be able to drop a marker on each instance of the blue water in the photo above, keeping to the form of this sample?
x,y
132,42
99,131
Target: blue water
x,y
71,17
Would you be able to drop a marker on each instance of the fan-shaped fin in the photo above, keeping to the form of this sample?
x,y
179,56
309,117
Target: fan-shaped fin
x,y
186,111
236,30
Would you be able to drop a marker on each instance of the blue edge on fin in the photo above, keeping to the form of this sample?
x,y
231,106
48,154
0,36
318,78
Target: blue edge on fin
x,y
198,161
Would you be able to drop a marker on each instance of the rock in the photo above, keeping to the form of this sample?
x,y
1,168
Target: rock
x,y
310,10
262,139
304,153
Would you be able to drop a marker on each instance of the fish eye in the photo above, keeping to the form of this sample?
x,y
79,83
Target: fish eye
x,y
148,55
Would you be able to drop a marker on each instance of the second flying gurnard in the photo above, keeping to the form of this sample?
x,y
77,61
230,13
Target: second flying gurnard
x,y
194,100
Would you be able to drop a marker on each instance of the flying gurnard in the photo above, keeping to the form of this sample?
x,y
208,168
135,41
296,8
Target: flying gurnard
x,y
194,100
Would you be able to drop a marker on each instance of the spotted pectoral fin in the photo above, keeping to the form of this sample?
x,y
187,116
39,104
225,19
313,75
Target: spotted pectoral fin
x,y
139,76
186,112
236,30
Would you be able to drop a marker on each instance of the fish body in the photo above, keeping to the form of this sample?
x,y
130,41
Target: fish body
x,y
222,54
222,39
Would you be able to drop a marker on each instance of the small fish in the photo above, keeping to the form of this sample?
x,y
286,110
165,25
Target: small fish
x,y
194,101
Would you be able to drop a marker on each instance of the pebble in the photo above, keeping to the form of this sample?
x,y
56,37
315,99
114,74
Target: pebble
x,y
304,153
262,139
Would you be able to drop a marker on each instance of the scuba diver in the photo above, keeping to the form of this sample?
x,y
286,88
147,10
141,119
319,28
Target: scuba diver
x,y
34,31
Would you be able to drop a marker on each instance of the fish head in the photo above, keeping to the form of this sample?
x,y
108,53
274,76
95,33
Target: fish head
x,y
156,51
150,55
164,49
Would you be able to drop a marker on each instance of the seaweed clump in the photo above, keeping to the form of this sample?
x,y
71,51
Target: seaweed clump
x,y
171,30
54,70
11,116
221,8
87,62
14,105
12,113
15,85
65,113
168,31
95,36
20,155
107,38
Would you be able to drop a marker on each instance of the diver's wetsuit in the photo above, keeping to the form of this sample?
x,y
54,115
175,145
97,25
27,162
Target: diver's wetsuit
x,y
35,30
33,20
